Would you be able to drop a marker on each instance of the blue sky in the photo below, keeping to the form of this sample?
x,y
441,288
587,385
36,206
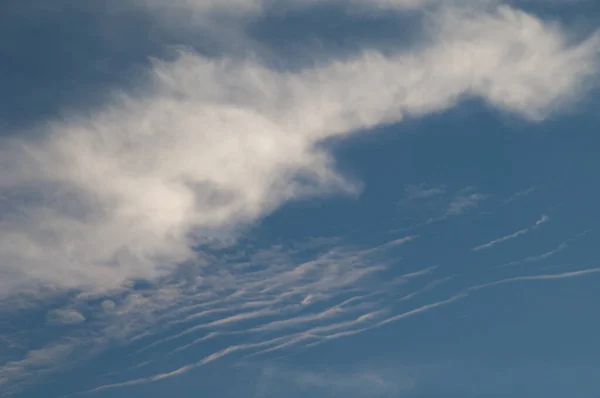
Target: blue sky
x,y
334,198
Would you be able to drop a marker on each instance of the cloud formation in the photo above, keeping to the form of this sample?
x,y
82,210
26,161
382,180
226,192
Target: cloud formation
x,y
211,146
513,235
249,304
105,208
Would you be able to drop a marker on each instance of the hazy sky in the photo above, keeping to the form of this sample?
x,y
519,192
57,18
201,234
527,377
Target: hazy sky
x,y
299,198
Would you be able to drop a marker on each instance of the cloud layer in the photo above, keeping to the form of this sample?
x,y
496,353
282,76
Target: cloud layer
x,y
108,219
210,146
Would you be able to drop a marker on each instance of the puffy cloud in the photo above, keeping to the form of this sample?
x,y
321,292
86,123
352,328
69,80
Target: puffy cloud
x,y
210,146
108,305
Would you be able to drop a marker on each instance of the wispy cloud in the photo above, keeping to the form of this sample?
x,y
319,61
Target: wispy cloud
x,y
513,235
520,195
500,240
35,363
542,220
214,145
463,203
208,305
204,148
428,205
531,259
262,313
542,277
315,335
420,192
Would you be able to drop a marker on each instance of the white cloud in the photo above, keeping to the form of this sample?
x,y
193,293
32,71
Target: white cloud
x,y
421,192
462,203
501,239
542,277
211,146
519,195
252,313
542,220
428,205
241,298
532,259
108,305
513,235
35,363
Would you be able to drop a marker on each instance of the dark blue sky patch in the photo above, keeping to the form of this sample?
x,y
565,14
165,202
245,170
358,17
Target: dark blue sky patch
x,y
66,55
303,36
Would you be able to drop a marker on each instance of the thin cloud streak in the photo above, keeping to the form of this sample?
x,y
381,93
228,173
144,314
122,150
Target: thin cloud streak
x,y
314,332
542,277
532,259
539,257
514,235
500,240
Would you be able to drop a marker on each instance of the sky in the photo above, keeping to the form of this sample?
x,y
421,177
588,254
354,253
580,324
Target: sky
x,y
319,198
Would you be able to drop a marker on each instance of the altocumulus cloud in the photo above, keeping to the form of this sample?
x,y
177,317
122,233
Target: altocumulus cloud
x,y
209,146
